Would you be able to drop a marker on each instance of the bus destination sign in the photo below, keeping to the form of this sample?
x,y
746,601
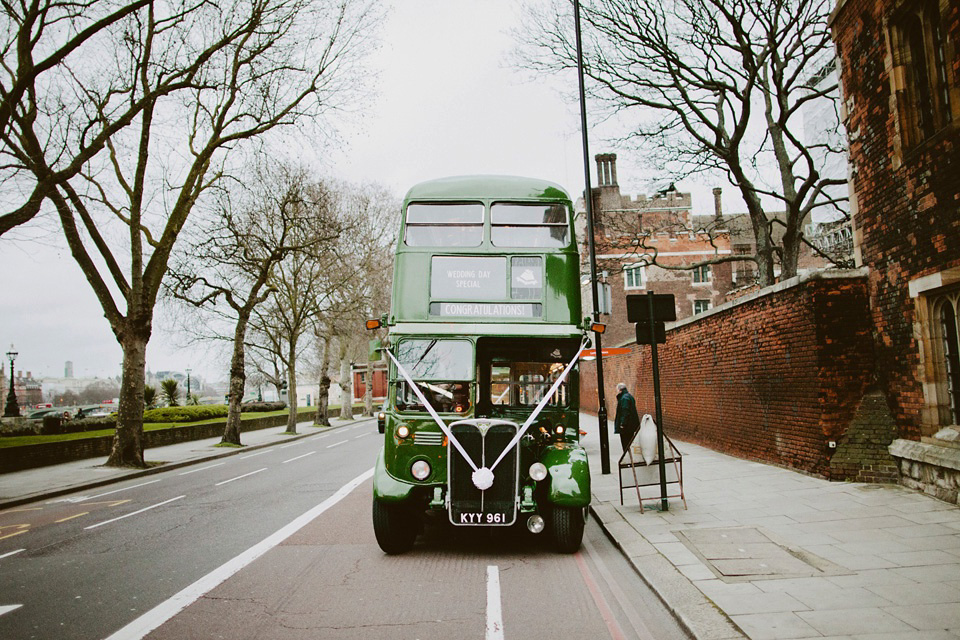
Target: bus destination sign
x,y
468,278
485,309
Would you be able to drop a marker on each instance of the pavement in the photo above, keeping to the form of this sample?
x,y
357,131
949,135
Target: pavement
x,y
768,553
758,552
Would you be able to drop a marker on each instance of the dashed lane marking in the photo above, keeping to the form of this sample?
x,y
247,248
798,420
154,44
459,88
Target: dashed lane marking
x,y
298,457
494,611
239,477
336,444
250,455
209,466
159,504
11,553
100,495
7,608
360,436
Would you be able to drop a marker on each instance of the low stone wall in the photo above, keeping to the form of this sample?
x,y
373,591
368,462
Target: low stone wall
x,y
48,453
781,375
933,469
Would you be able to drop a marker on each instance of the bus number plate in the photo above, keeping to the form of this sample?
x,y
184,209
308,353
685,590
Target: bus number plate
x,y
480,518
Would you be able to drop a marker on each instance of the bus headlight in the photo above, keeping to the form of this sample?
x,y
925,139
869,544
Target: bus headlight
x,y
535,524
538,471
420,469
403,431
559,429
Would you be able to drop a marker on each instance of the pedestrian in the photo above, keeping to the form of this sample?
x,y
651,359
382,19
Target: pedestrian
x,y
627,420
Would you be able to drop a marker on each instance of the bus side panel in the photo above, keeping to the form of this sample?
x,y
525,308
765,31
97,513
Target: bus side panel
x,y
386,487
562,277
569,475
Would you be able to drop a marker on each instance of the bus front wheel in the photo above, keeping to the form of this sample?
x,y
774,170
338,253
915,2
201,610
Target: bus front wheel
x,y
395,527
567,528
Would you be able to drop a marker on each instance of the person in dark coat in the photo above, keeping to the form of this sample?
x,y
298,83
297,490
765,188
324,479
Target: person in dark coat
x,y
627,420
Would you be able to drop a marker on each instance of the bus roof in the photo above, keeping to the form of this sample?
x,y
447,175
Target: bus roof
x,y
487,187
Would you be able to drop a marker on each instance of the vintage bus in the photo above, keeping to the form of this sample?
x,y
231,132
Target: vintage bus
x,y
484,333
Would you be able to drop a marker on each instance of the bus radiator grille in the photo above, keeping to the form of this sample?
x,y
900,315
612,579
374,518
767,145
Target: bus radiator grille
x,y
496,505
429,438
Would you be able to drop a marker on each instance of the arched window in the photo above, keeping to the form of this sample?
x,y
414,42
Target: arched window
x,y
946,345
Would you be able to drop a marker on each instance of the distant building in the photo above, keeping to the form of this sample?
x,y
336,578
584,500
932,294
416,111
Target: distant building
x,y
68,369
633,233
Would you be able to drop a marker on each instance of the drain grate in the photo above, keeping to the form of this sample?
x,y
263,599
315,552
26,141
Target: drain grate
x,y
746,553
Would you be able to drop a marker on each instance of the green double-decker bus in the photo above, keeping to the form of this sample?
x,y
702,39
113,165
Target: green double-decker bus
x,y
484,334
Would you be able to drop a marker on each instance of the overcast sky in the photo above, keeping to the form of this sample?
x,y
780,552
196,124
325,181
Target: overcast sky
x,y
448,104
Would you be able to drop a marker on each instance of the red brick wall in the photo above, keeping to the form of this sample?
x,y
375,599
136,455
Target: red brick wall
x,y
908,202
772,377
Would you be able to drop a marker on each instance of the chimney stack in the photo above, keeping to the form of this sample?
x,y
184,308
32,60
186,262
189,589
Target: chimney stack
x,y
606,169
717,204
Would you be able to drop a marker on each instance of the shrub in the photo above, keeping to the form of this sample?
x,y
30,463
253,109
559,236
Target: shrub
x,y
262,406
185,414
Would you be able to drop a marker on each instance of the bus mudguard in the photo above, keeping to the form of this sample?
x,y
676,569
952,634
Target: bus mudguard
x,y
569,475
387,488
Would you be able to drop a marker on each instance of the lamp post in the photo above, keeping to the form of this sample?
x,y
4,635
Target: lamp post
x,y
12,409
188,385
594,281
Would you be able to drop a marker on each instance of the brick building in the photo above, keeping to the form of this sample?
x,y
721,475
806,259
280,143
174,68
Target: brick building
x,y
631,233
900,71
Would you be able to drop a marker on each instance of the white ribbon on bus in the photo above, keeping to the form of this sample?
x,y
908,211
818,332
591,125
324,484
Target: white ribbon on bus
x,y
483,477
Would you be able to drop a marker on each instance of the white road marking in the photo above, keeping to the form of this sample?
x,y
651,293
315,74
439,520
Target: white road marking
x,y
11,553
7,608
494,614
361,435
159,504
180,601
250,455
100,495
238,477
336,444
292,444
209,466
298,457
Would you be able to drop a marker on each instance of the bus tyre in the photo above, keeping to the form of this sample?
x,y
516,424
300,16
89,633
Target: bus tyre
x,y
394,526
567,528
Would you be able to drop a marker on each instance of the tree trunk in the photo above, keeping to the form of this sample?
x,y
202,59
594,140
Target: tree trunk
x,y
292,388
127,448
238,380
368,392
346,386
323,390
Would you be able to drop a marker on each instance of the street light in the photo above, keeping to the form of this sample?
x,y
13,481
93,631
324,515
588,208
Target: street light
x,y
594,281
12,409
188,385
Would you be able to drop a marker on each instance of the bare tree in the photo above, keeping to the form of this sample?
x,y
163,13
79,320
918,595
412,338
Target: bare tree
x,y
717,86
239,72
278,211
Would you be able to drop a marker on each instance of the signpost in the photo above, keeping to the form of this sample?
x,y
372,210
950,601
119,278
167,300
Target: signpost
x,y
651,330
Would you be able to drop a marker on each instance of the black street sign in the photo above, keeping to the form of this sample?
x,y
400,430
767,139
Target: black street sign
x,y
643,332
664,308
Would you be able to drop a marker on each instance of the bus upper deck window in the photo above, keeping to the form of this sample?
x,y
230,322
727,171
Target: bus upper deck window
x,y
529,225
444,224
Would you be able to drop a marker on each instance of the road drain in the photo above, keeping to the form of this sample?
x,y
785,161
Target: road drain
x,y
746,553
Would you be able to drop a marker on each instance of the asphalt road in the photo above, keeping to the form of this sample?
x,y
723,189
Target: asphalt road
x,y
278,543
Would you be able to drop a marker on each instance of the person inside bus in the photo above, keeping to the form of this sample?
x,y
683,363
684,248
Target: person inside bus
x,y
627,421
